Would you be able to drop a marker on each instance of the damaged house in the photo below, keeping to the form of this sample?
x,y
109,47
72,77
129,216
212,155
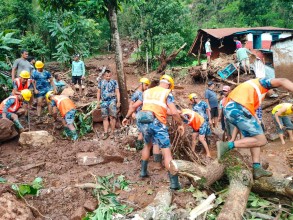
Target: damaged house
x,y
257,39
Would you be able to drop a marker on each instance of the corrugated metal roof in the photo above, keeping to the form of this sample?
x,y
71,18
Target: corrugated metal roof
x,y
223,32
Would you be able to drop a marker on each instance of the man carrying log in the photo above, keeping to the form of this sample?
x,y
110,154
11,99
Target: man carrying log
x,y
199,126
67,110
152,120
239,110
281,118
10,106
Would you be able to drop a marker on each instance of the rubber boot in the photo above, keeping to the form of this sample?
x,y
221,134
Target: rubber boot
x,y
260,172
158,158
139,144
174,182
144,169
67,132
74,135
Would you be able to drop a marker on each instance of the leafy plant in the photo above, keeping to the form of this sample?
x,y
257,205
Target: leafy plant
x,y
28,189
5,86
108,203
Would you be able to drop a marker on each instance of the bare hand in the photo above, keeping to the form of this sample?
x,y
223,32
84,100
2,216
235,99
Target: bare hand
x,y
282,127
124,122
36,91
180,129
118,105
98,105
211,123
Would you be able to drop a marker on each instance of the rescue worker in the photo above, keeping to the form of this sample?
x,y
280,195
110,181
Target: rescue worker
x,y
67,110
152,120
108,97
144,83
43,83
239,110
11,105
203,109
199,126
21,83
281,118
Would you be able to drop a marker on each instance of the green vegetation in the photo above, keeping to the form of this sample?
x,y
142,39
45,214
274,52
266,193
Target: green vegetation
x,y
105,194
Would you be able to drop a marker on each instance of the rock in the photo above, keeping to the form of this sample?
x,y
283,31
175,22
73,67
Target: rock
x,y
68,92
78,214
7,130
90,205
91,158
97,115
12,208
35,139
88,158
273,136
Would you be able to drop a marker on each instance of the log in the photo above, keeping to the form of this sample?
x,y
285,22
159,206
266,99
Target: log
x,y
202,175
203,207
7,130
277,101
157,209
240,179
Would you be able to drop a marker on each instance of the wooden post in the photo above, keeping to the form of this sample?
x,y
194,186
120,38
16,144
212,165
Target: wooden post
x,y
147,61
199,51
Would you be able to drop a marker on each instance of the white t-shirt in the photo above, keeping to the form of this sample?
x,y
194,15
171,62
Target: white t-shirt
x,y
208,47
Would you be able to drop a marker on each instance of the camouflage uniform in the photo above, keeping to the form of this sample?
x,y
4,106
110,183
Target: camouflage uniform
x,y
108,97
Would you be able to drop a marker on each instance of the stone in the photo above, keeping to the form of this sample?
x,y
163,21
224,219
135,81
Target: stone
x,y
90,205
88,158
35,139
7,129
97,115
68,92
78,214
13,208
273,136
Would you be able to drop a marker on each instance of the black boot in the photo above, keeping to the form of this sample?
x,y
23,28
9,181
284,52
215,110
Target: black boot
x,y
144,168
158,158
174,183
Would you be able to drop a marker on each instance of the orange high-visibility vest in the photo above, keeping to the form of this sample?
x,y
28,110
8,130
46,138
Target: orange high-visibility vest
x,y
13,108
64,104
155,100
195,120
248,94
288,110
20,86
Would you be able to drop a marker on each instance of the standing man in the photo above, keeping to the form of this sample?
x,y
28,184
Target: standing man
x,y
208,50
10,106
108,97
67,110
152,120
21,64
212,100
239,110
238,43
243,59
78,73
281,118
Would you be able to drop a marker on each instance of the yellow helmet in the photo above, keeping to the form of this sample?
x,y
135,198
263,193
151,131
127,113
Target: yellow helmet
x,y
48,94
192,96
25,74
145,80
26,94
39,64
170,79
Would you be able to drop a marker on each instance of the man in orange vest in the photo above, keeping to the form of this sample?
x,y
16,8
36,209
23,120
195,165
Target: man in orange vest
x,y
239,109
67,110
199,126
281,115
152,120
10,106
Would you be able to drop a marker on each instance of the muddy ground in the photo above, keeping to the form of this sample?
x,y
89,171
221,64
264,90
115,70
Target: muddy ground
x,y
61,200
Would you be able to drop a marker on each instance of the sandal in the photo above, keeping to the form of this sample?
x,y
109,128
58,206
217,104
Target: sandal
x,y
105,136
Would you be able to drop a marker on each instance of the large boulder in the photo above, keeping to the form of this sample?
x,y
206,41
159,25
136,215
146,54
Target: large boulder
x,y
13,208
35,139
7,130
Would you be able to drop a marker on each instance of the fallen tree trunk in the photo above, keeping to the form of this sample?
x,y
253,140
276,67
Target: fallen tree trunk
x,y
240,179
